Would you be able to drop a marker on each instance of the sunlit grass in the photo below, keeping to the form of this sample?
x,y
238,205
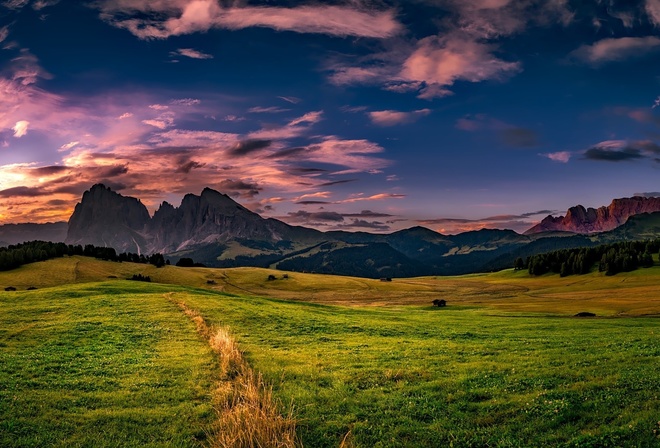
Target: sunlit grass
x,y
504,364
101,366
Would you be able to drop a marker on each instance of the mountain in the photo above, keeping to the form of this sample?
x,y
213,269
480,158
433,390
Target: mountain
x,y
603,219
105,218
20,233
213,229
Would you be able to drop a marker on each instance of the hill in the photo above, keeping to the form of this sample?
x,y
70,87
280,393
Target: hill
x,y
625,294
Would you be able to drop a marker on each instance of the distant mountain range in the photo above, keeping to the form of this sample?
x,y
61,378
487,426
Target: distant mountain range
x,y
602,219
215,230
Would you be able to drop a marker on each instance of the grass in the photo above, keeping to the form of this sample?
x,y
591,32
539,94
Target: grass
x,y
428,377
117,364
247,414
101,366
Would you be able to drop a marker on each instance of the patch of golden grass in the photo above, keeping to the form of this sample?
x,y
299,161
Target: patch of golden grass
x,y
248,416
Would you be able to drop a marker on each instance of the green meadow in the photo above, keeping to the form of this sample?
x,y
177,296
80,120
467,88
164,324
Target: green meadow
x,y
90,359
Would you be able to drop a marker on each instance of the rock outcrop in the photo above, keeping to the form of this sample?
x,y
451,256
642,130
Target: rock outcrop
x,y
105,218
590,220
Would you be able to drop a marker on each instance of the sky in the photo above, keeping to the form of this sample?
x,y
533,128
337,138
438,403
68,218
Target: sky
x,y
360,115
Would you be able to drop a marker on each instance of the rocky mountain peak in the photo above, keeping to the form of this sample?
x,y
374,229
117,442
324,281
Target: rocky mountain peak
x,y
579,219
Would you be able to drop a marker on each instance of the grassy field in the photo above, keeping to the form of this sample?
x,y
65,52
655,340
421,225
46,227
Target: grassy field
x,y
117,363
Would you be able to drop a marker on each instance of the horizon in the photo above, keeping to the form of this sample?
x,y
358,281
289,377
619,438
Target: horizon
x,y
151,213
359,116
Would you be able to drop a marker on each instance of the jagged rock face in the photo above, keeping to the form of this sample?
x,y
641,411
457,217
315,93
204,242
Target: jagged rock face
x,y
211,217
106,218
590,220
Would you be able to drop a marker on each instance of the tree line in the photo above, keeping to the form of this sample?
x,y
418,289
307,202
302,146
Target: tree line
x,y
609,258
14,256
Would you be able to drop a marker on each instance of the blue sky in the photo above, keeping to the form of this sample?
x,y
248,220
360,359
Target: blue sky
x,y
357,115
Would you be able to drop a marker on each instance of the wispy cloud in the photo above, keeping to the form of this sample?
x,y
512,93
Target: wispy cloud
x,y
393,117
191,53
180,17
560,156
616,49
267,110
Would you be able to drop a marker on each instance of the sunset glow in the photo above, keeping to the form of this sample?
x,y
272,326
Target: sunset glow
x,y
454,115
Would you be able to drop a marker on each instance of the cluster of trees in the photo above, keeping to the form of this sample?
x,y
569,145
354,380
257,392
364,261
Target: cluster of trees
x,y
14,256
610,258
186,262
140,278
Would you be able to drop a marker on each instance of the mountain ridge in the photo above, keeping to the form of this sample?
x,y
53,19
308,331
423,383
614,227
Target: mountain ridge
x,y
579,219
215,230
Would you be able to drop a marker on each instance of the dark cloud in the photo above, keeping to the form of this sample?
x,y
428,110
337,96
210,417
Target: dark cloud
x,y
112,171
362,224
312,202
248,146
21,192
367,214
613,155
288,153
337,182
300,170
653,194
239,188
48,170
188,166
304,216
57,202
520,137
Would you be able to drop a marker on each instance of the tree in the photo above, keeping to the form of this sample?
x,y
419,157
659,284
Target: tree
x,y
519,264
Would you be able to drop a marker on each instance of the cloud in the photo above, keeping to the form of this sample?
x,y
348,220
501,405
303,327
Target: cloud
x,y
518,223
392,117
561,156
68,146
248,146
21,128
613,151
290,99
374,197
163,19
653,194
267,110
188,166
520,137
21,191
652,8
125,115
336,182
367,214
363,224
615,49
186,102
439,62
15,4
191,53
239,188
295,128
307,217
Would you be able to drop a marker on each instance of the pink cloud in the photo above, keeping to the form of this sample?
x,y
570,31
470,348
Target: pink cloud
x,y
192,16
561,156
442,61
21,128
191,53
616,49
393,117
652,8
